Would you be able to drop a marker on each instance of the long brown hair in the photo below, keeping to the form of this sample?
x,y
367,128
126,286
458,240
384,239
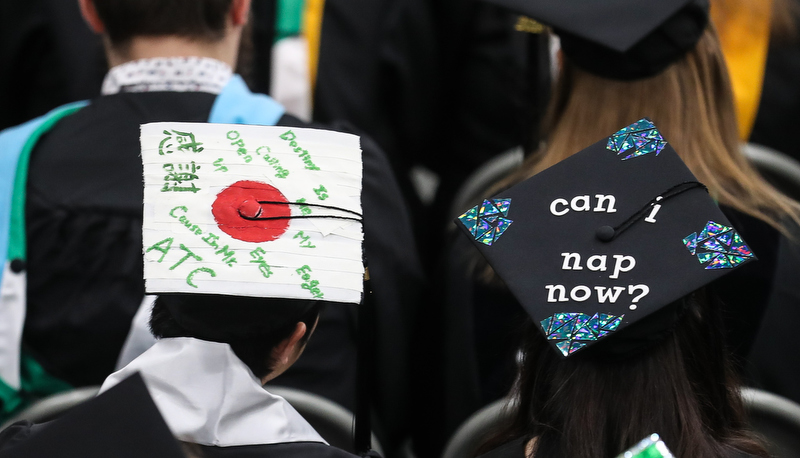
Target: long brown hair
x,y
691,103
683,388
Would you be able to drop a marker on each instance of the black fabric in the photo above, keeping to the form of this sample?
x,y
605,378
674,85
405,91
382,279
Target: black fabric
x,y
621,39
84,231
85,254
774,357
123,422
779,108
513,449
50,57
287,450
745,292
649,56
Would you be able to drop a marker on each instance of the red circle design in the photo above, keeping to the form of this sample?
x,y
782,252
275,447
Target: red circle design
x,y
241,198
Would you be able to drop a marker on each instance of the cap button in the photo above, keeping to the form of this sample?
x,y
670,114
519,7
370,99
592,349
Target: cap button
x,y
17,265
605,233
250,208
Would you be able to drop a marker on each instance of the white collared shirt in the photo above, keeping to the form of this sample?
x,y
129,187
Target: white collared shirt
x,y
174,74
208,396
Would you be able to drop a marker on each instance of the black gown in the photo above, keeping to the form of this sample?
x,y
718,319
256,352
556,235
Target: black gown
x,y
84,232
22,431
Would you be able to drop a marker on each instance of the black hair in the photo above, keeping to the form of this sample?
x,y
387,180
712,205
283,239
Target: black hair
x,y
682,388
197,19
253,327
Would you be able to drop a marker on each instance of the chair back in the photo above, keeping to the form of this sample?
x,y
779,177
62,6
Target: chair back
x,y
780,170
53,406
332,421
775,418
483,177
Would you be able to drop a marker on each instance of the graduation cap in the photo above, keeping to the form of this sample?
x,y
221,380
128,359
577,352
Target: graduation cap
x,y
620,39
123,422
606,239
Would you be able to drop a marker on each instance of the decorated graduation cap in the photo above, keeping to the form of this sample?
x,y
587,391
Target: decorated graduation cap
x,y
620,39
123,422
607,239
252,211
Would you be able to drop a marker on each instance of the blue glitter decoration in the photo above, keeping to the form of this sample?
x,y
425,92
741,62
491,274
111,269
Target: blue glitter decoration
x,y
642,137
487,221
726,238
575,330
691,242
718,247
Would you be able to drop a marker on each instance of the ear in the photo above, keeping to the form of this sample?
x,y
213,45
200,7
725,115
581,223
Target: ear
x,y
239,11
287,349
89,13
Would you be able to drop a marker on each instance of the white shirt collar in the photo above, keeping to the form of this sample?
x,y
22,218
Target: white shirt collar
x,y
208,396
174,74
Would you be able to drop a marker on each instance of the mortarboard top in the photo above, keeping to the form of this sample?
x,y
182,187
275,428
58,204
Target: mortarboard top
x,y
621,39
616,24
123,422
605,238
252,211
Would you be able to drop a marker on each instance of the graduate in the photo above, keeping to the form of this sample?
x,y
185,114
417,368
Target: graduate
x,y
610,253
619,61
242,266
71,209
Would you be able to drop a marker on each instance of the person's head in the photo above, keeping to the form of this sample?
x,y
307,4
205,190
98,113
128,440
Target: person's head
x,y
603,401
691,103
268,335
167,28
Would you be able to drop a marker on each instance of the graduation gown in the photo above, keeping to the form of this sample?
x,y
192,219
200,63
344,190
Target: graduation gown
x,y
208,396
195,390
84,266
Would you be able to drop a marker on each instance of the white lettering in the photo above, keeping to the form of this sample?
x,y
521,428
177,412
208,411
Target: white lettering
x,y
576,261
562,293
608,294
618,267
585,207
604,198
580,289
555,211
590,263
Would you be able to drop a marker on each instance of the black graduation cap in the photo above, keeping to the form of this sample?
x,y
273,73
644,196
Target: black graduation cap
x,y
621,39
123,422
605,238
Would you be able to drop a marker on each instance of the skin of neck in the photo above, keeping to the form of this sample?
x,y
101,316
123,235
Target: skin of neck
x,y
225,49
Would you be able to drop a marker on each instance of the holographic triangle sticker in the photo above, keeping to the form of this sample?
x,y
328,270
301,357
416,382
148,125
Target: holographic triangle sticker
x,y
718,247
638,139
574,331
485,222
